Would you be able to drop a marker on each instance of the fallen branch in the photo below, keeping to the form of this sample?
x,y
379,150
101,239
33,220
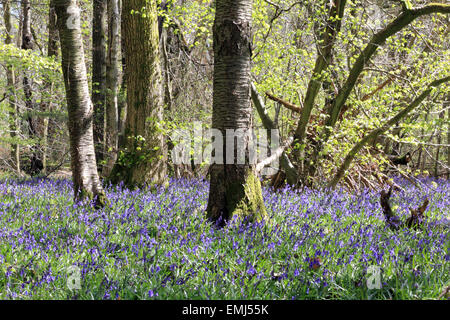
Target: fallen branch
x,y
389,182
404,160
367,182
404,175
349,183
277,180
445,293
380,181
416,219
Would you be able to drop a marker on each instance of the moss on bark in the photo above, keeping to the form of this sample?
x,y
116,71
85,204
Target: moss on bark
x,y
240,197
100,199
245,200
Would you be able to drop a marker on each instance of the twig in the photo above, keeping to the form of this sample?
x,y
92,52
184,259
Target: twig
x,y
57,167
278,12
4,97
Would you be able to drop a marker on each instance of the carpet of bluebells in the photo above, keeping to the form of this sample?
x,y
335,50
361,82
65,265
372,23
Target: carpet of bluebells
x,y
158,245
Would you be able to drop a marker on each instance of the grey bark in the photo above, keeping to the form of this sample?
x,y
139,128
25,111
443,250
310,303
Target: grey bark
x,y
234,188
99,30
112,84
27,44
10,76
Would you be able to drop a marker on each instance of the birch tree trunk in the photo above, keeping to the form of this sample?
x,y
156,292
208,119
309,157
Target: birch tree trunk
x,y
234,188
143,156
80,109
10,76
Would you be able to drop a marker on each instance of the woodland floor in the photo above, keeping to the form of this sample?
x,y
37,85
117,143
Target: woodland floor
x,y
158,245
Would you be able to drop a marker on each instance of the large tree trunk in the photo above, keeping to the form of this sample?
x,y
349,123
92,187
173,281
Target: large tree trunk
x,y
80,109
143,158
112,84
10,76
99,30
234,188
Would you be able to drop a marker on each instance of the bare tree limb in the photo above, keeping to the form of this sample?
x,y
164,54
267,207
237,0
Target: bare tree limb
x,y
285,103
